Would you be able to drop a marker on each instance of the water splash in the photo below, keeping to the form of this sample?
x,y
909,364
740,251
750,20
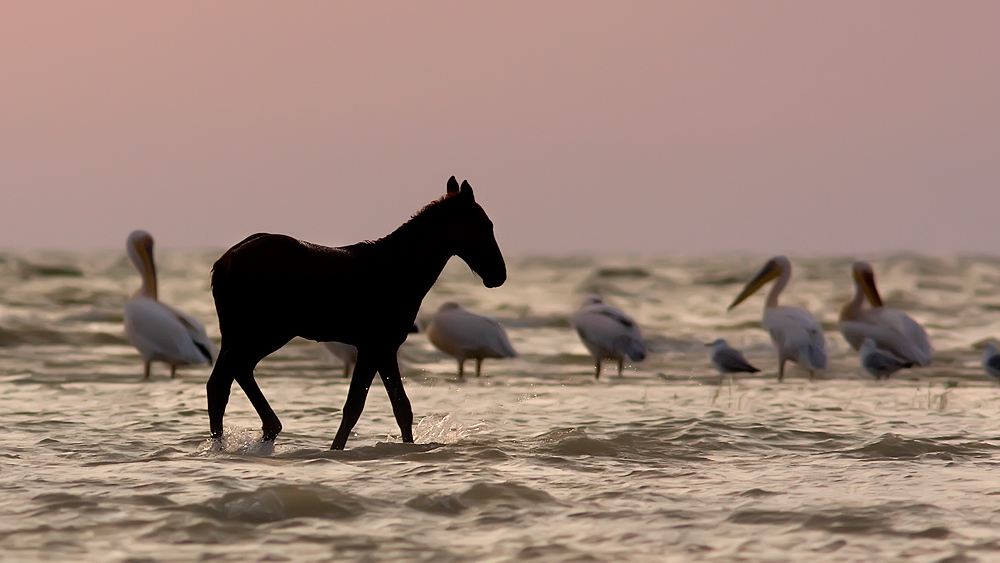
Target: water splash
x,y
240,441
446,429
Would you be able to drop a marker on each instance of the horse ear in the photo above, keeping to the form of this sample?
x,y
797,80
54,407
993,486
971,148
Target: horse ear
x,y
452,185
466,188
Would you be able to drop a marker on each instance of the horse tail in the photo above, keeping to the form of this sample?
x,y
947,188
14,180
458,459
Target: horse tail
x,y
222,287
221,290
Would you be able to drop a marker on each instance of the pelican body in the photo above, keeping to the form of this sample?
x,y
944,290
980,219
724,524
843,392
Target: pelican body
x,y
796,334
991,361
880,363
727,359
891,330
346,353
160,332
608,333
463,335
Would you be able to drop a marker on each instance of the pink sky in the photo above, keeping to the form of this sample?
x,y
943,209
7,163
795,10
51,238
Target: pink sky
x,y
660,127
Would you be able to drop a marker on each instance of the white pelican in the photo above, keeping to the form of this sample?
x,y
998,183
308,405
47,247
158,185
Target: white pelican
x,y
891,330
880,363
727,359
462,335
991,361
160,332
795,332
346,353
609,333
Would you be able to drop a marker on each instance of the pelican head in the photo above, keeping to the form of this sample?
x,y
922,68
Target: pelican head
x,y
139,248
775,267
864,278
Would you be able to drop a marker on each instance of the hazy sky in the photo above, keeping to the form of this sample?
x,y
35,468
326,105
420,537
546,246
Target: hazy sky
x,y
660,127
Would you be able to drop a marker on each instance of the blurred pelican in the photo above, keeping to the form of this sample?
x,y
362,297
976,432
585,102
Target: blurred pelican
x,y
160,332
880,363
609,333
346,353
991,361
795,332
891,330
727,359
463,335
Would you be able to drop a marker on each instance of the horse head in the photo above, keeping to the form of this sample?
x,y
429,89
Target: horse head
x,y
473,236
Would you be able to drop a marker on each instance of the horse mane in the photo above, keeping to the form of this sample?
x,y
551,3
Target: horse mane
x,y
429,211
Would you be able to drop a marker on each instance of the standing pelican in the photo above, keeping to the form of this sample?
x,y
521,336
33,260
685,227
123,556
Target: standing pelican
x,y
609,333
462,335
727,359
160,332
880,363
991,361
346,353
891,330
795,332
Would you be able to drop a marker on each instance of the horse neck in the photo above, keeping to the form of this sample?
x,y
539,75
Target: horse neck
x,y
421,248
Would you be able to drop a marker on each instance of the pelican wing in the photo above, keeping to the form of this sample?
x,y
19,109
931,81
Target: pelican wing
x,y
607,332
196,331
991,362
891,330
162,333
797,335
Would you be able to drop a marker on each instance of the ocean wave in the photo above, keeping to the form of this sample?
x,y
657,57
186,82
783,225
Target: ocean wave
x,y
508,495
890,446
282,502
911,520
575,442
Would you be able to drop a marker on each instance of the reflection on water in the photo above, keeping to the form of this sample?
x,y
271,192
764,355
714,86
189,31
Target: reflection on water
x,y
535,460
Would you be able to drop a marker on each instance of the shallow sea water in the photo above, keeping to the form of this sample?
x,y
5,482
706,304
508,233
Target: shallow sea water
x,y
535,461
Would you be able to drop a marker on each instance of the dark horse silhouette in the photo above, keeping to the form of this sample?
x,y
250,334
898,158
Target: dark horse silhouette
x,y
271,288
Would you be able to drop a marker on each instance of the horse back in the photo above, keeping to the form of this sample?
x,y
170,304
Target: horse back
x,y
276,282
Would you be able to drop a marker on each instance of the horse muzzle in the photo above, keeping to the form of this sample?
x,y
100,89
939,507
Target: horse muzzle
x,y
495,281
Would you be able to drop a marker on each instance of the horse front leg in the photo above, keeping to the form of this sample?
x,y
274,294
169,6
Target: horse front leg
x,y
361,380
401,409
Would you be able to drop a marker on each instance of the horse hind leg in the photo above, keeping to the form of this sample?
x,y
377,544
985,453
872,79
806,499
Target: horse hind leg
x,y
232,365
271,426
218,389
